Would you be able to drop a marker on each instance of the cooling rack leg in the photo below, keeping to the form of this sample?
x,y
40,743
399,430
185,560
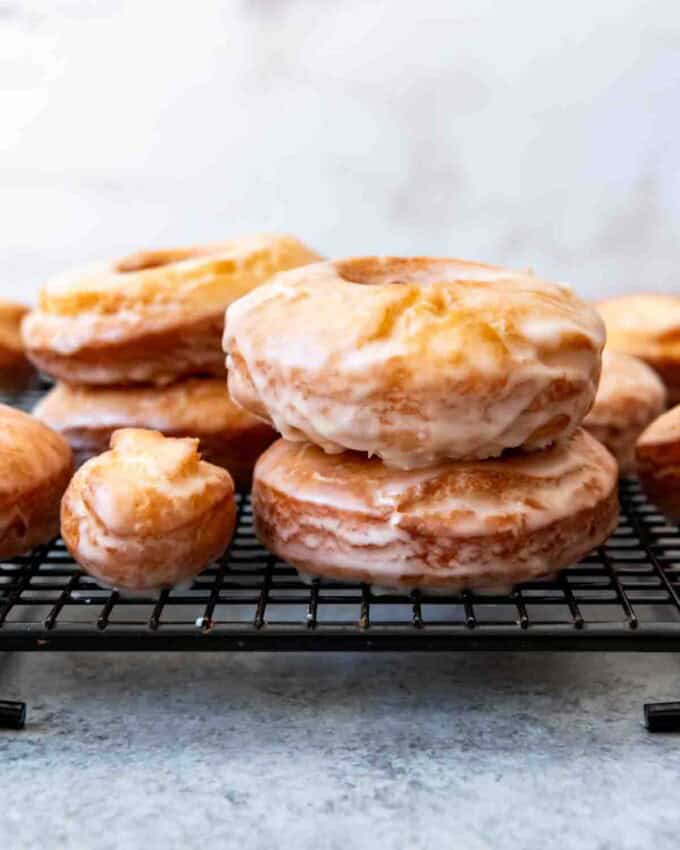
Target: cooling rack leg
x,y
662,716
12,714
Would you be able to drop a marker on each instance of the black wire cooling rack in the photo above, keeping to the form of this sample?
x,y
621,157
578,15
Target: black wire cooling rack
x,y
623,596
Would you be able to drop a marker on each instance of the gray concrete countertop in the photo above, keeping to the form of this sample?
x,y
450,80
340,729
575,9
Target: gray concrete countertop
x,y
472,751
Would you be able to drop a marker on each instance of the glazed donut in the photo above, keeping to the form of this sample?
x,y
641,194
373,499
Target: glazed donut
x,y
481,525
630,396
414,360
648,326
35,467
658,462
195,407
152,317
15,369
149,513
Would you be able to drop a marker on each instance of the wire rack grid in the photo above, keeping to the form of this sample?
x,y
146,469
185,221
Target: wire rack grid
x,y
623,596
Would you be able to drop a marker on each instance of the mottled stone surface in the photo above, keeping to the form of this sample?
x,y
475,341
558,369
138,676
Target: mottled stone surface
x,y
268,751
530,133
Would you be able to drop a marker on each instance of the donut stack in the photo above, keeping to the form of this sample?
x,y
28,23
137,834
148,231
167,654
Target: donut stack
x,y
430,411
136,343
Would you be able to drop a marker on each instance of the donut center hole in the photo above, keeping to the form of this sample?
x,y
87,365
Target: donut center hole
x,y
143,260
424,271
375,271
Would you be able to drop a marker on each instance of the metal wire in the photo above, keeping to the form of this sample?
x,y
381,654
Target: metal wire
x,y
623,596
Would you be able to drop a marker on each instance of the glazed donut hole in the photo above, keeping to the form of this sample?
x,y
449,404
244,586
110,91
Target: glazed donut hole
x,y
149,513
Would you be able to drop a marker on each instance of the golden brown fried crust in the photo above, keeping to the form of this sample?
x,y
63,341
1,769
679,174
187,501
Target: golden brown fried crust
x,y
196,407
477,525
15,370
647,325
658,462
11,315
558,545
35,517
149,513
18,376
629,397
236,452
152,317
669,372
35,468
192,348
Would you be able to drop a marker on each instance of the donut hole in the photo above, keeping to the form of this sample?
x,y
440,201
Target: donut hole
x,y
379,271
375,270
143,260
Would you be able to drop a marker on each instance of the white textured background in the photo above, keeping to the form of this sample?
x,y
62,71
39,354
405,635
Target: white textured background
x,y
525,132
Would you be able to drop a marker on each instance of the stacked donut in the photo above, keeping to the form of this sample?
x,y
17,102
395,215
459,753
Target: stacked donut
x,y
136,344
643,333
647,325
430,411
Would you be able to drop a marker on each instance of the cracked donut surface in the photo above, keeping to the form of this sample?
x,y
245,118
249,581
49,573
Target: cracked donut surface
x,y
414,360
151,317
629,397
149,513
195,407
455,525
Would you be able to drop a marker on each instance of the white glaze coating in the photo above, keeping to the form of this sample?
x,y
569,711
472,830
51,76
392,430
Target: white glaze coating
x,y
456,519
68,334
629,397
195,406
464,491
101,304
439,360
143,470
149,512
626,379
